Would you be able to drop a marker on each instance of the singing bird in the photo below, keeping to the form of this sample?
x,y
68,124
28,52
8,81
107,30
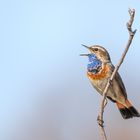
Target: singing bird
x,y
99,70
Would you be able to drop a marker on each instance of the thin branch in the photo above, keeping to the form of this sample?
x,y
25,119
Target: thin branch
x,y
102,106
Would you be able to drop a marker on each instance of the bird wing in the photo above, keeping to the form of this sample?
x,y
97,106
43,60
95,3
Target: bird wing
x,y
121,84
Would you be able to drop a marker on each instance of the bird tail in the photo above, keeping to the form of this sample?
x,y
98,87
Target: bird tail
x,y
127,111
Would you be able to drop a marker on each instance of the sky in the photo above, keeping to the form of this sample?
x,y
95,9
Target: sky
x,y
44,92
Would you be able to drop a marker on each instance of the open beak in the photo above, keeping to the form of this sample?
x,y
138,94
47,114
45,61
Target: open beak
x,y
87,48
84,54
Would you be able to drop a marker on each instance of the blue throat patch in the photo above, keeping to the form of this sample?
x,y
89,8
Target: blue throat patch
x,y
95,64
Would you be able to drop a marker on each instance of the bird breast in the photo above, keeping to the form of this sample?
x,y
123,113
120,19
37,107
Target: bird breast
x,y
103,73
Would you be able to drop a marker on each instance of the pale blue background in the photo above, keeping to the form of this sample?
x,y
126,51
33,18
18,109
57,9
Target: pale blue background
x,y
44,91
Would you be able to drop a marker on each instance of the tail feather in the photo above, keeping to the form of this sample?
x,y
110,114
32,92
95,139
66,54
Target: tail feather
x,y
134,111
127,112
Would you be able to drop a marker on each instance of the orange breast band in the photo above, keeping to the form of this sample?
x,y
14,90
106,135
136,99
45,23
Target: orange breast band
x,y
102,74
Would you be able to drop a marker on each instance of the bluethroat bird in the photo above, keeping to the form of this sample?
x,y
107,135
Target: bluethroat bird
x,y
99,70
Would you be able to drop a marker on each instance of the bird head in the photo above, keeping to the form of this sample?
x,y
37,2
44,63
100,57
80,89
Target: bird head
x,y
99,51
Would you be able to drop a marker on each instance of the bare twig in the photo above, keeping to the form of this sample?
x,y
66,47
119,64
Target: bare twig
x,y
102,106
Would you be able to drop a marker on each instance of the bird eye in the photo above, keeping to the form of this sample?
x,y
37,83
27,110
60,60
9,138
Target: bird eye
x,y
96,49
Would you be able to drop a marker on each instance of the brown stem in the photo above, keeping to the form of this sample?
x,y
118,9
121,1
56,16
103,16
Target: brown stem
x,y
102,106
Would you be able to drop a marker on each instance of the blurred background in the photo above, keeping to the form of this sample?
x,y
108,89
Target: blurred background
x,y
44,91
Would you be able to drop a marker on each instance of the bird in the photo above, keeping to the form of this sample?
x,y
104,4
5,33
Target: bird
x,y
99,70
